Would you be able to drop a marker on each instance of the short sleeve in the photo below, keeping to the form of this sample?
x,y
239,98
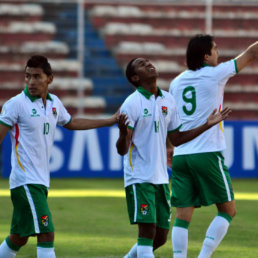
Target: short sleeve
x,y
175,122
171,87
64,117
225,70
130,109
9,114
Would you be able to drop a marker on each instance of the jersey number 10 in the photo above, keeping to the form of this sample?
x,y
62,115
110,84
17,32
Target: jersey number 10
x,y
46,128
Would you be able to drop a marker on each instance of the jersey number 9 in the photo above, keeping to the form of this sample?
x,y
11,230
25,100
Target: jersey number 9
x,y
189,96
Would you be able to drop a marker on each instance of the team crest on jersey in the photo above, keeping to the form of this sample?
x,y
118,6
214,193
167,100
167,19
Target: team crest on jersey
x,y
144,209
44,220
164,110
54,111
34,113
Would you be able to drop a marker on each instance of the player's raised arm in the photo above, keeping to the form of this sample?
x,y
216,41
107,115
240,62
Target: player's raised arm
x,y
247,57
178,138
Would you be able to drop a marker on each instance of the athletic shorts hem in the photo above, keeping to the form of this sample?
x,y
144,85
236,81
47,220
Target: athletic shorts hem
x,y
29,234
199,204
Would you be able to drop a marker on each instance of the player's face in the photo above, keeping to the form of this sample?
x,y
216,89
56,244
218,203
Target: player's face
x,y
37,82
212,59
144,69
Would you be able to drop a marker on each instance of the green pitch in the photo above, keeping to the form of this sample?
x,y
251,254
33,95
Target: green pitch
x,y
91,220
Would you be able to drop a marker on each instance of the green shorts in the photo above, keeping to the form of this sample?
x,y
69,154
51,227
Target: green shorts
x,y
200,180
148,203
31,214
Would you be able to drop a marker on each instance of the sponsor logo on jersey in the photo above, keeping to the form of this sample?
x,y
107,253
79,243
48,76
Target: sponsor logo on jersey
x,y
54,111
34,113
146,113
44,220
164,110
144,209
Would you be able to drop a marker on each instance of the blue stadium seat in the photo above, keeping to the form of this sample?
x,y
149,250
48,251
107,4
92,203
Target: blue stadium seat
x,y
100,66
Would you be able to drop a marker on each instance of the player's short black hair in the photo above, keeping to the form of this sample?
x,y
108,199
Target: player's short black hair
x,y
39,61
130,72
198,46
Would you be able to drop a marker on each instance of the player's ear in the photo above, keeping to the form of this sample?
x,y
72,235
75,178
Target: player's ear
x,y
135,78
206,57
50,79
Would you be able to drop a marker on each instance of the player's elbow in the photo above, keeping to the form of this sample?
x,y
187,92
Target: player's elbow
x,y
175,141
253,51
121,150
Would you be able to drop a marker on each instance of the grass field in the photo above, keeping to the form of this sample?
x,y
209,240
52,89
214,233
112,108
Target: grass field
x,y
91,220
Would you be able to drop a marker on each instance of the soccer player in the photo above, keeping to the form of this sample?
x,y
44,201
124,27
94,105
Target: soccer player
x,y
149,115
199,175
31,118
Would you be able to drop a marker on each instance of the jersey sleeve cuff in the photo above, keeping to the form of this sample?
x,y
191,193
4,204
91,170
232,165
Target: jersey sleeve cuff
x,y
130,127
175,129
1,122
68,121
235,63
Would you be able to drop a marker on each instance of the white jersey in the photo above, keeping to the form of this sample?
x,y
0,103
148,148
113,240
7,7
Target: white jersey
x,y
197,94
151,119
32,136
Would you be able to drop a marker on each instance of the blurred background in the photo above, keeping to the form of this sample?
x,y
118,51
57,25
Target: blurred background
x,y
89,44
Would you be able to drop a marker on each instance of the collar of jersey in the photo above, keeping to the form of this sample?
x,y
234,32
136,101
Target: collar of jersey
x,y
205,64
148,94
33,98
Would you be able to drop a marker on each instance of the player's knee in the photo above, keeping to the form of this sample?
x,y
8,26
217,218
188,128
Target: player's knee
x,y
147,230
17,240
163,239
160,238
233,213
46,237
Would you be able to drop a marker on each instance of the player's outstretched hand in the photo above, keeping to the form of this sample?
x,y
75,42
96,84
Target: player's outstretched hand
x,y
123,124
215,118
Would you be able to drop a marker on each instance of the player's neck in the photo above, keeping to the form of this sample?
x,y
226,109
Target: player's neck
x,y
151,87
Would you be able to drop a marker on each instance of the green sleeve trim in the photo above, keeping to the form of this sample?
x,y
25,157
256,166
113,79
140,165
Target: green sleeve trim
x,y
145,241
11,245
175,129
181,223
46,244
235,66
1,122
225,216
68,121
130,127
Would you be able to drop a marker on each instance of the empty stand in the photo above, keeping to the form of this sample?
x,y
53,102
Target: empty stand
x,y
160,32
25,31
114,34
100,65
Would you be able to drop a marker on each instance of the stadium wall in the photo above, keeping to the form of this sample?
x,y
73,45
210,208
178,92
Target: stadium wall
x,y
93,153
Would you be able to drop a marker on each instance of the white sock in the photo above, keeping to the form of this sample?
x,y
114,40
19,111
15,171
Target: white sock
x,y
43,252
179,242
145,251
6,252
215,233
132,253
